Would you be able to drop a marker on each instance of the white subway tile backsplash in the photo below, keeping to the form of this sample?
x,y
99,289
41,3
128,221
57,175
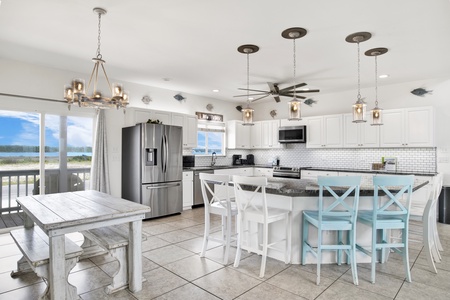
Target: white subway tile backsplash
x,y
297,155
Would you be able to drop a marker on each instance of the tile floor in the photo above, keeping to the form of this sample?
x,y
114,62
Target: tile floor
x,y
173,270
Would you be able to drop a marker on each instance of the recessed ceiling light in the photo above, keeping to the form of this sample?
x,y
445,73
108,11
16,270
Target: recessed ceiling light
x,y
250,98
215,91
384,76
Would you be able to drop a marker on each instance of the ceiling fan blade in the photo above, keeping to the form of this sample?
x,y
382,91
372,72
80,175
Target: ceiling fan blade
x,y
273,87
260,98
253,90
307,91
292,87
252,95
292,95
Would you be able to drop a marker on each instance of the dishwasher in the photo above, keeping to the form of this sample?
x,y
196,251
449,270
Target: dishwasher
x,y
198,197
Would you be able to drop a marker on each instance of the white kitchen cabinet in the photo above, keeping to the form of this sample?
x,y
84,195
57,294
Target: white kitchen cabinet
x,y
134,116
188,189
324,132
312,174
256,135
269,134
360,135
264,172
189,124
366,178
302,122
238,135
409,127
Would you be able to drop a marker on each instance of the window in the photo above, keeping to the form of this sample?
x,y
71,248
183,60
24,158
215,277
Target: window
x,y
210,138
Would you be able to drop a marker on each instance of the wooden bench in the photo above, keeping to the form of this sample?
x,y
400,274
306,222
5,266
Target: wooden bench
x,y
34,245
113,239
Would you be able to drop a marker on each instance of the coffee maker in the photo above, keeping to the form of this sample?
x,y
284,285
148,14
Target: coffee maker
x,y
250,159
236,159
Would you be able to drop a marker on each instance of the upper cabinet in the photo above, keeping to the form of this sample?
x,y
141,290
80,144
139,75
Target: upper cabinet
x,y
324,132
256,135
360,135
238,135
189,124
269,134
409,127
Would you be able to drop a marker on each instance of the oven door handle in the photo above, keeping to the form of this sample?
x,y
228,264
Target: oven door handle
x,y
286,174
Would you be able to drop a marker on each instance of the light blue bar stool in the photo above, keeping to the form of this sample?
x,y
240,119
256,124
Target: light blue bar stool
x,y
339,215
391,206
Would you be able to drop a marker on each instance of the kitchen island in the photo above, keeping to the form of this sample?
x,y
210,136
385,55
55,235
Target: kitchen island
x,y
297,195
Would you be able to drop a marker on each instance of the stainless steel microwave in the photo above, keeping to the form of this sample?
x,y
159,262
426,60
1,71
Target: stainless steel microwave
x,y
292,134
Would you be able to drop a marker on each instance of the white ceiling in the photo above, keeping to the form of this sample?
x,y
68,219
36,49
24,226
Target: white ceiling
x,y
194,43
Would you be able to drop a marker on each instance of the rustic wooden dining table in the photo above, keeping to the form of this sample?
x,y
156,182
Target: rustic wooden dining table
x,y
63,213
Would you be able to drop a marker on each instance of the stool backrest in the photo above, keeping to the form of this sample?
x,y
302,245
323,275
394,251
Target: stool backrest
x,y
250,193
208,182
345,191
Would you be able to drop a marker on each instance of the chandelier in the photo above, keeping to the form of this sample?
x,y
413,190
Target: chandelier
x,y
359,108
247,112
77,92
377,113
294,104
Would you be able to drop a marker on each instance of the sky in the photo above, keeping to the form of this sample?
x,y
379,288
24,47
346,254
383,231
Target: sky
x,y
20,128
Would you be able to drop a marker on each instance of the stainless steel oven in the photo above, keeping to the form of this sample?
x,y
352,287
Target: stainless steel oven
x,y
287,172
198,197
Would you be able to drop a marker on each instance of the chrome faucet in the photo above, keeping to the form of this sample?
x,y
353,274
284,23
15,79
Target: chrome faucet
x,y
213,159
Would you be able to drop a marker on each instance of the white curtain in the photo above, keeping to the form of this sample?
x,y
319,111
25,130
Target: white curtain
x,y
100,171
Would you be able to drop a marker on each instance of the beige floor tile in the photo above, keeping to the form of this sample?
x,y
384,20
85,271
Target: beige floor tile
x,y
193,267
9,263
7,283
226,283
188,291
100,294
343,291
184,223
195,245
158,229
439,280
177,236
385,285
9,250
417,290
252,265
216,254
300,282
25,293
89,280
168,254
159,281
332,271
152,243
266,291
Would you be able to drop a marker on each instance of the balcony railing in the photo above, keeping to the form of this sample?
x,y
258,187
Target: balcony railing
x,y
17,183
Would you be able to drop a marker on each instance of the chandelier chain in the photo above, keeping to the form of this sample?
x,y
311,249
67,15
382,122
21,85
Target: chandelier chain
x,y
295,65
376,82
359,80
99,55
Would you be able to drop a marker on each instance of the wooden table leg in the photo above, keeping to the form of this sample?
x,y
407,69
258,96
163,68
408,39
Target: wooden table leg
x,y
135,256
57,277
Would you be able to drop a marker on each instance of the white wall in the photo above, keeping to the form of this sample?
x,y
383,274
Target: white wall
x,y
33,80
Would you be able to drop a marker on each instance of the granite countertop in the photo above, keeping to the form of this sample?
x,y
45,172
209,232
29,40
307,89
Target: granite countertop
x,y
225,167
309,188
370,171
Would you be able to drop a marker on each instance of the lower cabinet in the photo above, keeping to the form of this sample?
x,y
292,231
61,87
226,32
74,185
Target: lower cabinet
x,y
312,174
188,189
265,172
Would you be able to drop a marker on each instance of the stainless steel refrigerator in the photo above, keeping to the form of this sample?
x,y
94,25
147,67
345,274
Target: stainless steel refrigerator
x,y
152,167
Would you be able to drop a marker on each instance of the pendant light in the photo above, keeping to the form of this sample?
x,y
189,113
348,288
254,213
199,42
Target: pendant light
x,y
247,112
359,108
294,33
376,112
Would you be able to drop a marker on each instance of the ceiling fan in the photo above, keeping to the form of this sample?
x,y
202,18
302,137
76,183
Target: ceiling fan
x,y
276,92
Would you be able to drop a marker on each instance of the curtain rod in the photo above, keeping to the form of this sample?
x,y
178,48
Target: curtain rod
x,y
32,98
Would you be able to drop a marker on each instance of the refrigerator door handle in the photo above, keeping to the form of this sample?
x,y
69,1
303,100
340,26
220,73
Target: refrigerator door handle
x,y
163,153
163,186
166,154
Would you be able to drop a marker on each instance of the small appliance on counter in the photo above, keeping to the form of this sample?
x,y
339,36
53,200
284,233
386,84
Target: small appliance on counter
x,y
188,161
250,159
237,159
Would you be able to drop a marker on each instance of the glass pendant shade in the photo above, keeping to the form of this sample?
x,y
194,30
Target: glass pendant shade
x,y
359,112
377,116
294,110
247,116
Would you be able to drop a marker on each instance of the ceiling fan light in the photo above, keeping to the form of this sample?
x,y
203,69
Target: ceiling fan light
x,y
294,110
